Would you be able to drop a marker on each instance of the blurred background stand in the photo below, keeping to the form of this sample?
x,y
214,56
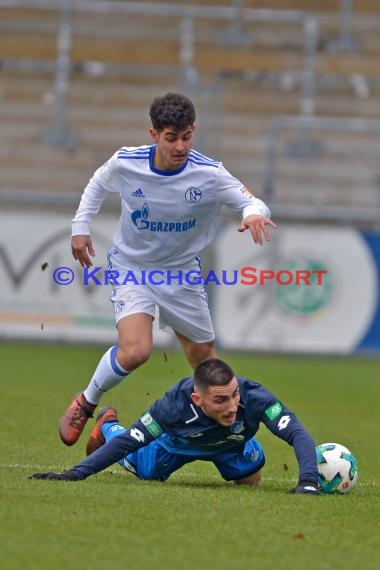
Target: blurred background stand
x,y
60,135
345,42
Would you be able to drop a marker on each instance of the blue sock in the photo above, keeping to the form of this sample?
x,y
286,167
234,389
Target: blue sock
x,y
110,430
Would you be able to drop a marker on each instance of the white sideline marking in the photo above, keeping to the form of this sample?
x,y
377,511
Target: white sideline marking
x,y
59,468
25,466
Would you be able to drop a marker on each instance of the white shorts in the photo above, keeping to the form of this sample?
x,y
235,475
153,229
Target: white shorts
x,y
182,308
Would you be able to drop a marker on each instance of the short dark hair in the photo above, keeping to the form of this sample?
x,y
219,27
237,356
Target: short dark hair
x,y
172,110
212,372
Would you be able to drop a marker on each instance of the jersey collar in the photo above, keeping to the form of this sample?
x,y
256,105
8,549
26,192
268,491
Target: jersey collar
x,y
163,172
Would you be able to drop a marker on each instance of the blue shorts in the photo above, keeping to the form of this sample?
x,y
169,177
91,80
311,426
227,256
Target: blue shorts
x,y
154,462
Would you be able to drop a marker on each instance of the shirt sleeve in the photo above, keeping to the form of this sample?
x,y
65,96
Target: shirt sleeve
x,y
263,406
232,193
283,423
140,434
104,180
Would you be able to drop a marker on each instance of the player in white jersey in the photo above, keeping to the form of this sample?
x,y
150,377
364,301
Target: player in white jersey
x,y
170,198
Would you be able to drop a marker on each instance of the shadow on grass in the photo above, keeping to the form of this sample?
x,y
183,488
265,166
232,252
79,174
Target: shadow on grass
x,y
197,481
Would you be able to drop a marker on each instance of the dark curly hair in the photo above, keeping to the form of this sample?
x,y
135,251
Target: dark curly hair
x,y
212,372
172,110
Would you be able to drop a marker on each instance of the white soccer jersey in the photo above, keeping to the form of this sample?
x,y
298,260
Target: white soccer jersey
x,y
167,217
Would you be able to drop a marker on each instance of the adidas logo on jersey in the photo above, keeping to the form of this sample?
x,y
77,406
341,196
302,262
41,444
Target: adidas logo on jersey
x,y
138,193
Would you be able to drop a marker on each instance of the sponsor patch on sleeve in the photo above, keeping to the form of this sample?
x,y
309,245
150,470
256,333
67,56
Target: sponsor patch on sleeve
x,y
247,193
274,411
151,425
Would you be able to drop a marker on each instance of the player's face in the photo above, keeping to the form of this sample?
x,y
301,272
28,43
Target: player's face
x,y
220,402
172,147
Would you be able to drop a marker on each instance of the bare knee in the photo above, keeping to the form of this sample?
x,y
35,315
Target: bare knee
x,y
135,340
132,356
253,480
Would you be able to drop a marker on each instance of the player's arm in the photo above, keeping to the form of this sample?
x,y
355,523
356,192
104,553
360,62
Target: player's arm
x,y
283,423
104,181
255,214
138,435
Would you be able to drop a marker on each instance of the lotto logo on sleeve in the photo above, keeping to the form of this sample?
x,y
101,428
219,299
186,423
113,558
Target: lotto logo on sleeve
x,y
274,411
151,425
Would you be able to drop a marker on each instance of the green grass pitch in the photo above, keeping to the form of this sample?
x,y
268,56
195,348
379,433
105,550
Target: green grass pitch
x,y
194,520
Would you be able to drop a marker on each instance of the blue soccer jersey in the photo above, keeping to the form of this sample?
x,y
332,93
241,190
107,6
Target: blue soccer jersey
x,y
181,427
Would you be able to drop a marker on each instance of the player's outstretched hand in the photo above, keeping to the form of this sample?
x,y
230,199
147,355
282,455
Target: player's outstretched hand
x,y
66,476
258,227
306,488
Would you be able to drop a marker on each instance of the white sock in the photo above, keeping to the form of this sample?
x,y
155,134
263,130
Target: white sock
x,y
108,374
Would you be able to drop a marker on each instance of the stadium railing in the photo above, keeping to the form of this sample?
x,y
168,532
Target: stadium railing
x,y
186,67
189,15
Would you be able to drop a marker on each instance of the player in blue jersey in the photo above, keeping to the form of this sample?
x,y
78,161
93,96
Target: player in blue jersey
x,y
212,416
170,198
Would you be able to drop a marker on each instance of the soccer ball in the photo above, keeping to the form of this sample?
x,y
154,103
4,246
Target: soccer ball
x,y
338,468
